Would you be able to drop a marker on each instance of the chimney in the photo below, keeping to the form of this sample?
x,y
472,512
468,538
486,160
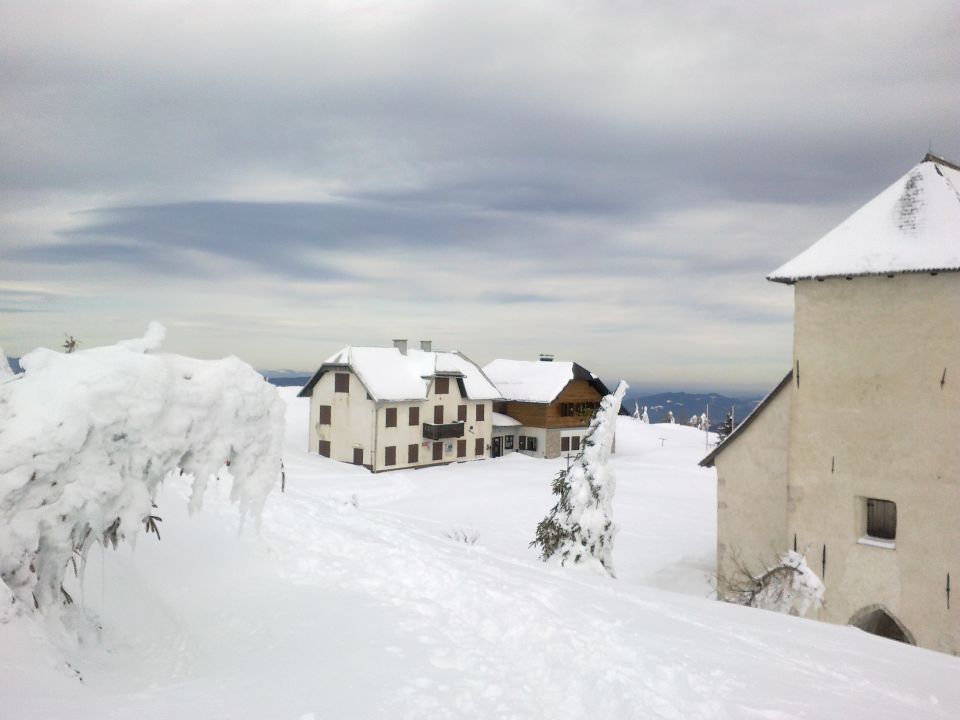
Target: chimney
x,y
426,345
401,345
546,357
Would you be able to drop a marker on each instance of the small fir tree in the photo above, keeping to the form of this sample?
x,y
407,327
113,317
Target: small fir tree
x,y
579,529
726,428
644,417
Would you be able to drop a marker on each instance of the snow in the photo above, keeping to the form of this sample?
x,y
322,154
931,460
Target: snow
x,y
529,381
912,226
387,374
501,420
353,602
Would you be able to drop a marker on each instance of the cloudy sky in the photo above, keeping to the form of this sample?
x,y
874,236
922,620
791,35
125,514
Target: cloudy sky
x,y
609,181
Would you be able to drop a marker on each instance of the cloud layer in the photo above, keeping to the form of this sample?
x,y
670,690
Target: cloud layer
x,y
608,181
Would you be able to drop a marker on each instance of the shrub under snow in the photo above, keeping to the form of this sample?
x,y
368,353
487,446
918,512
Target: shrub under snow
x,y
579,529
87,437
788,587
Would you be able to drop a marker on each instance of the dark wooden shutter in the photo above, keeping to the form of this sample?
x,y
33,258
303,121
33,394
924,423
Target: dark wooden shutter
x,y
342,382
358,456
438,414
461,448
391,417
881,519
413,454
414,418
325,415
480,414
478,450
462,413
324,448
441,385
390,455
438,451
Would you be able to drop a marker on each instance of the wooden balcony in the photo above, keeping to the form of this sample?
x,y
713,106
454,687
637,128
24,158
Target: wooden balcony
x,y
433,431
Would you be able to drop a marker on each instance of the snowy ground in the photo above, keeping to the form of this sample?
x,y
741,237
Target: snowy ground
x,y
353,602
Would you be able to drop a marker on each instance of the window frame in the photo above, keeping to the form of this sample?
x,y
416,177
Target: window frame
x,y
341,382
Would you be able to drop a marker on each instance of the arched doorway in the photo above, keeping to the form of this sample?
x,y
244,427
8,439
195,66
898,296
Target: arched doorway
x,y
877,620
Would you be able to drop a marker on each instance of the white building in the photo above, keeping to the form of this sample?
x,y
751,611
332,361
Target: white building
x,y
854,458
546,407
388,408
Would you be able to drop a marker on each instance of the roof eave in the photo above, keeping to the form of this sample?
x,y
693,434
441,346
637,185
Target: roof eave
x,y
708,460
794,279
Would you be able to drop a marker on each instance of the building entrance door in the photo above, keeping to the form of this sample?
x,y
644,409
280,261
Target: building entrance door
x,y
497,446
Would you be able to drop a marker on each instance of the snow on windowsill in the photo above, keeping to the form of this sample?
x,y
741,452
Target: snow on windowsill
x,y
877,542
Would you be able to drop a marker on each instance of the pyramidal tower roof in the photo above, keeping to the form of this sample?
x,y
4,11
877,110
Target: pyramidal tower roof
x,y
912,226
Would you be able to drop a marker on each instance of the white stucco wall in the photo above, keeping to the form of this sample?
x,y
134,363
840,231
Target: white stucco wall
x,y
752,493
351,415
870,419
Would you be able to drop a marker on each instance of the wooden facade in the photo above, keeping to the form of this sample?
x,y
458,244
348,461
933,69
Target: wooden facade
x,y
580,394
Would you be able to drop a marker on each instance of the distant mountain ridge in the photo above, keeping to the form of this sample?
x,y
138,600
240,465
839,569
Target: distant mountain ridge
x,y
685,405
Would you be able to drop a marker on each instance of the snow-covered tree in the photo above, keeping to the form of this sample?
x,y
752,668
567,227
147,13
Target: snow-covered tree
x,y
87,437
670,418
579,529
790,586
727,427
636,410
644,417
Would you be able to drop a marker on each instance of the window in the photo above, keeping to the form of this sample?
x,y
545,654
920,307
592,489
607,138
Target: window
x,y
441,385
508,442
391,417
480,413
478,447
531,443
564,444
462,413
522,444
413,454
438,451
324,415
341,382
461,448
358,456
390,455
324,448
578,409
414,416
575,442
881,519
438,414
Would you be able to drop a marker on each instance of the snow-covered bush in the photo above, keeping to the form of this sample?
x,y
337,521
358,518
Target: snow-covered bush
x,y
579,529
87,437
644,417
788,587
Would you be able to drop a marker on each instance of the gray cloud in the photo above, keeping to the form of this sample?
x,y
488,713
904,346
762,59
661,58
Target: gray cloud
x,y
359,166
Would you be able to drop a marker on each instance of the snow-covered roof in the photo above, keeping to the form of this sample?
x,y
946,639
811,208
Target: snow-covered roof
x,y
501,420
389,375
912,226
537,381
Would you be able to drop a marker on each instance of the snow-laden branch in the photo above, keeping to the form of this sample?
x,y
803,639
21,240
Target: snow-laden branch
x,y
87,437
